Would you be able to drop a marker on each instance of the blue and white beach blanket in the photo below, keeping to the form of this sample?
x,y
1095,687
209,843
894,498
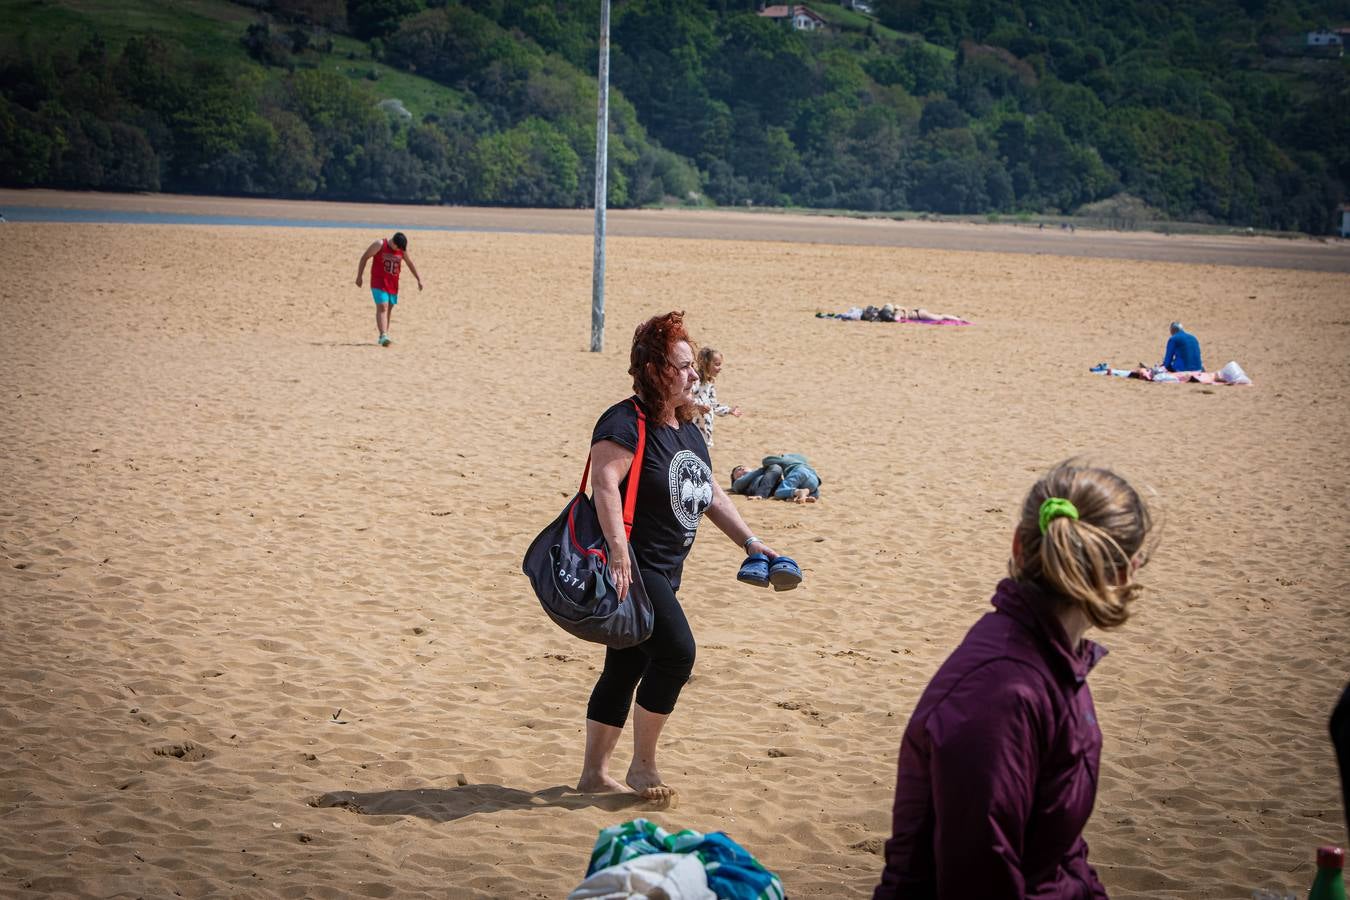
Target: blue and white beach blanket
x,y
732,872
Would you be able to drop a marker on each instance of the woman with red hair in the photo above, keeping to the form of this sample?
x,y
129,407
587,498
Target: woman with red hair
x,y
675,491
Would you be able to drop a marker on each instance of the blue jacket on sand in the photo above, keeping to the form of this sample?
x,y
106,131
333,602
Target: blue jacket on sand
x,y
998,765
1183,353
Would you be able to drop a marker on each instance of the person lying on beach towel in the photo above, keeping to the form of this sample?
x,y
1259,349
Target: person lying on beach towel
x,y
1229,374
919,314
891,313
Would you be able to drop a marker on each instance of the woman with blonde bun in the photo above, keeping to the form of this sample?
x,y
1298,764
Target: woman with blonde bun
x,y
998,765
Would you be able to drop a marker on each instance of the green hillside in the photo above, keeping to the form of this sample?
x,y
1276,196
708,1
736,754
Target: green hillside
x,y
211,30
1212,112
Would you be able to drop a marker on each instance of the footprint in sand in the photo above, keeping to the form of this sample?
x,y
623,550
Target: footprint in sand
x,y
186,751
804,708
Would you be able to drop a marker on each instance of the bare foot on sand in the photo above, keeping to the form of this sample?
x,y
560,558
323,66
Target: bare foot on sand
x,y
600,783
649,786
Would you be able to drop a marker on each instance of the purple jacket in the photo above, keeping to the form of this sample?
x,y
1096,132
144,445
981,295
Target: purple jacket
x,y
998,766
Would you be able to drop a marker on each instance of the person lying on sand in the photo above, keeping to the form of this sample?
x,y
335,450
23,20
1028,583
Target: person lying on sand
x,y
919,314
785,477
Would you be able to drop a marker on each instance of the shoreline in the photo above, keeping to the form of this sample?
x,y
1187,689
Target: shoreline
x,y
1261,251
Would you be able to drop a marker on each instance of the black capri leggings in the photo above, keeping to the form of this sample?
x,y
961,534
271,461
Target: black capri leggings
x,y
658,667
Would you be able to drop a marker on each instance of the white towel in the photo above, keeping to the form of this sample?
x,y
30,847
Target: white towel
x,y
654,876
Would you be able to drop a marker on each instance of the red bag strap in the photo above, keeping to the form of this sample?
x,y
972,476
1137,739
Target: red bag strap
x,y
634,473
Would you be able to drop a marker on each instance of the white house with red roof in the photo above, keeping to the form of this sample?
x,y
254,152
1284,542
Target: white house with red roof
x,y
803,18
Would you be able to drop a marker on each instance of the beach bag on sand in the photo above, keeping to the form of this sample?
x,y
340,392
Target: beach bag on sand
x,y
731,872
1233,374
568,567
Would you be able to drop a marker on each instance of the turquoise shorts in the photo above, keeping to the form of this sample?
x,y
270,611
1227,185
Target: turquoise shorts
x,y
384,297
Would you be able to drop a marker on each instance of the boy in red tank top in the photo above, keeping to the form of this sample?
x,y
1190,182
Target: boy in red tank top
x,y
389,257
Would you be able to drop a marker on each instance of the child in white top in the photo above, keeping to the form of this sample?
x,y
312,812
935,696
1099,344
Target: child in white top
x,y
705,395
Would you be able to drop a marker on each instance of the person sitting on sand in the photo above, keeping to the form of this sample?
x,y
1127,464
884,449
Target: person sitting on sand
x,y
389,257
1183,351
785,477
998,764
665,522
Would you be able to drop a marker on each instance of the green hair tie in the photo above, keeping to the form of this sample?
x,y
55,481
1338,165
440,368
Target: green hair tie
x,y
1053,508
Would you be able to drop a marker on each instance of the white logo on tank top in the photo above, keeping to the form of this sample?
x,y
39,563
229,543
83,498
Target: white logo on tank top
x,y
691,489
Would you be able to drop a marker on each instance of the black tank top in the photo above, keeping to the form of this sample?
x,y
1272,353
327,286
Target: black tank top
x,y
676,486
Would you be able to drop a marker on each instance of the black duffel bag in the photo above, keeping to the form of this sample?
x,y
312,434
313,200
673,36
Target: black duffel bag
x,y
568,567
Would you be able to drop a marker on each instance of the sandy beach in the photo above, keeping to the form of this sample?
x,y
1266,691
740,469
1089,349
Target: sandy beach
x,y
265,631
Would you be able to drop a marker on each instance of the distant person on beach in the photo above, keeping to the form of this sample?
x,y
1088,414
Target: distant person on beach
x,y
705,395
999,762
890,313
389,257
676,490
788,476
1182,353
919,314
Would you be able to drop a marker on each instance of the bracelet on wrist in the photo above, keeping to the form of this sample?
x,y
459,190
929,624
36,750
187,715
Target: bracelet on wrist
x,y
751,540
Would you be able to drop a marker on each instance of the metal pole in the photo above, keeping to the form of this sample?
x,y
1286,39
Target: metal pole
x,y
601,171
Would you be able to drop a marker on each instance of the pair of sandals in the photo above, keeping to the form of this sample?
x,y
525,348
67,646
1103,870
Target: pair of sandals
x,y
783,573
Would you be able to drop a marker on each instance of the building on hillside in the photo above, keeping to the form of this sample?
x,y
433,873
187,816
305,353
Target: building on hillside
x,y
862,6
803,18
1325,37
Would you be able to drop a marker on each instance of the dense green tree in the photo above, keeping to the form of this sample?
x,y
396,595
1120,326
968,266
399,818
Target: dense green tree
x,y
377,18
660,56
764,67
953,185
27,147
531,164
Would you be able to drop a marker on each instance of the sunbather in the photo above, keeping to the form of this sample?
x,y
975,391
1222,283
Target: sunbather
x,y
919,314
